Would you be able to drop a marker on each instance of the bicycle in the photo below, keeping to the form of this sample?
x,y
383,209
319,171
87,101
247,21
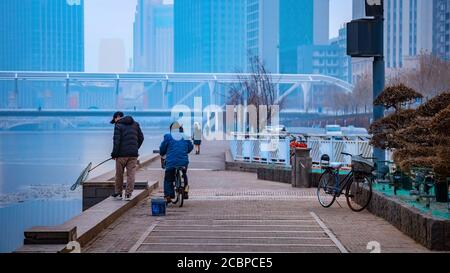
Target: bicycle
x,y
179,183
359,178
179,187
423,184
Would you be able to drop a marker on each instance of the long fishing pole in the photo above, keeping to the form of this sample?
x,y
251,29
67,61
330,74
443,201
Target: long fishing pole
x,y
100,164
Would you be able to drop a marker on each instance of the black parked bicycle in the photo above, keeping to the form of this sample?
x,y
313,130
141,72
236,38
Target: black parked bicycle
x,y
357,184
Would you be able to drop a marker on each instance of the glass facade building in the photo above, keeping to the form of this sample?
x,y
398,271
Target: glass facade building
x,y
153,37
296,29
42,35
330,60
209,36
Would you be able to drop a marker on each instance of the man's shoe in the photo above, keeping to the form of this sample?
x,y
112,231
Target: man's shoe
x,y
117,196
128,197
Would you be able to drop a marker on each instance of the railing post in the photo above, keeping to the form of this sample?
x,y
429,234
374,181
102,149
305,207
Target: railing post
x,y
67,92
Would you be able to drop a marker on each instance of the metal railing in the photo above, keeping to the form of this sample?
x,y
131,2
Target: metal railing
x,y
260,148
275,149
333,148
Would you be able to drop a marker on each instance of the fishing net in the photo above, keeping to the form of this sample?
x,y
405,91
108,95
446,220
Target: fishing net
x,y
83,177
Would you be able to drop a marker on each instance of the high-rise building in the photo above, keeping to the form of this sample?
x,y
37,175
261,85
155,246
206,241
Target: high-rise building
x,y
276,28
263,32
408,30
330,60
302,22
153,37
441,28
209,36
42,35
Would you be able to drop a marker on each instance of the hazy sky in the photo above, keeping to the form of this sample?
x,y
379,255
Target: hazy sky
x,y
106,19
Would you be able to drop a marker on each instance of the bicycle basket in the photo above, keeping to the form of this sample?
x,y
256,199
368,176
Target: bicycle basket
x,y
362,165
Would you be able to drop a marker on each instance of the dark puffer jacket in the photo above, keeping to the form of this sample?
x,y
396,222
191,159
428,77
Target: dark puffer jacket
x,y
176,149
128,138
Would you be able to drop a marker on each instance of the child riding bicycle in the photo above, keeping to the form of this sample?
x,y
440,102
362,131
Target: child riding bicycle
x,y
175,148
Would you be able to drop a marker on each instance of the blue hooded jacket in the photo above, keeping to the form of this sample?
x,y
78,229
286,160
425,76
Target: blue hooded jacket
x,y
176,149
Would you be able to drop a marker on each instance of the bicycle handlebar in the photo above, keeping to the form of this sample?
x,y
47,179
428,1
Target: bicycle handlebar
x,y
361,155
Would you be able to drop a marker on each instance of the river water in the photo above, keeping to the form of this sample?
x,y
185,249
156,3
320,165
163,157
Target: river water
x,y
37,169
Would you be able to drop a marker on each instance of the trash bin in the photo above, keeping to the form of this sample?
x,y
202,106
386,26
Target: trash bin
x,y
301,168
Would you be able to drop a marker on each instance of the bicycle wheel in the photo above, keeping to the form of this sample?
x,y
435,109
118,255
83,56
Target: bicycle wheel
x,y
181,196
325,190
179,190
359,193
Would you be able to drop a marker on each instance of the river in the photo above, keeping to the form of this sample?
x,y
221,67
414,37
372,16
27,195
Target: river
x,y
37,169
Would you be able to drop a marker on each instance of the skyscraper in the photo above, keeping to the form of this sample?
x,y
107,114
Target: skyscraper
x,y
263,32
209,36
153,37
441,28
276,28
42,35
408,30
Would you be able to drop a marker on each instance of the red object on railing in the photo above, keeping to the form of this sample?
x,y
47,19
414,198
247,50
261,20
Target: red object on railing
x,y
300,145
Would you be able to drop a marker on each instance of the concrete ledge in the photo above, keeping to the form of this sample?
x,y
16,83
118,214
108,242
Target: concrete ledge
x,y
41,249
431,232
95,192
88,224
276,174
50,235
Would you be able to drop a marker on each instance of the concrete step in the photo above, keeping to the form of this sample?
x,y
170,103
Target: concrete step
x,y
239,248
252,228
240,233
237,240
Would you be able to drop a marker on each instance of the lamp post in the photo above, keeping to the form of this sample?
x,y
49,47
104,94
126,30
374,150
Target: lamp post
x,y
365,38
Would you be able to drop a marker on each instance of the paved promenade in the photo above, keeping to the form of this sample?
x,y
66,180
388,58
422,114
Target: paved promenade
x,y
235,212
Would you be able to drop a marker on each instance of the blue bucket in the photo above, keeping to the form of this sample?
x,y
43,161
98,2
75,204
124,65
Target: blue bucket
x,y
158,207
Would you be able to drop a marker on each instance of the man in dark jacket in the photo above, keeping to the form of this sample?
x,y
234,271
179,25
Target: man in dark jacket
x,y
128,138
175,147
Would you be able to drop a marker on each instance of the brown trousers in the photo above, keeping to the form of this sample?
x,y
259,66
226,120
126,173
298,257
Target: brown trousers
x,y
130,164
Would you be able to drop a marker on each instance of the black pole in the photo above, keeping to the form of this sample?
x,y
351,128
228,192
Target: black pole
x,y
379,82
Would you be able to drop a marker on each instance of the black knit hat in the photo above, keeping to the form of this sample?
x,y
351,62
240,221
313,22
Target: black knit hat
x,y
116,115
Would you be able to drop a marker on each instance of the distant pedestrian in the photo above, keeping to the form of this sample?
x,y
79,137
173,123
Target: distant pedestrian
x,y
197,137
128,138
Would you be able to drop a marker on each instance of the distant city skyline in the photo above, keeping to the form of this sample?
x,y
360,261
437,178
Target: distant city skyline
x,y
113,19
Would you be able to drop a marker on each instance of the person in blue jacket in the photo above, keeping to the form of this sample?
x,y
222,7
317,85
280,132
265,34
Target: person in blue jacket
x,y
175,148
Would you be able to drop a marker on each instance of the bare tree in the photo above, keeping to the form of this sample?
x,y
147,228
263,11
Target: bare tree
x,y
362,93
431,78
255,88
